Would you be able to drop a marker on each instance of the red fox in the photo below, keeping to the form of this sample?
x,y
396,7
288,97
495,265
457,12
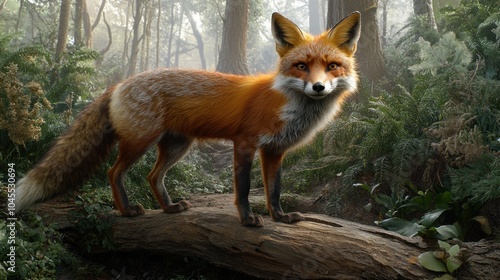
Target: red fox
x,y
170,108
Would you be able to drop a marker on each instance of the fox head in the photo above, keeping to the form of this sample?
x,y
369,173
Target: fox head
x,y
317,65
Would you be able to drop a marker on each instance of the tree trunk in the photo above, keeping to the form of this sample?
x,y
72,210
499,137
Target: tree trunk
x,y
136,39
99,14
87,27
199,38
424,8
2,5
148,19
171,35
108,46
321,247
158,31
384,22
78,22
232,55
62,35
369,53
335,13
178,41
314,15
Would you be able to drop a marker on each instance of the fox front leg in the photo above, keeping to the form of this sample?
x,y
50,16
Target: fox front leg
x,y
271,173
243,158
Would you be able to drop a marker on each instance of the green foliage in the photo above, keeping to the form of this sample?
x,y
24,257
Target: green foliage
x,y
480,32
22,99
478,181
447,53
430,211
94,223
446,258
429,145
31,60
39,250
75,76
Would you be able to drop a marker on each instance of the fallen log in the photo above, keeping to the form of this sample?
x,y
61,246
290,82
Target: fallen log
x,y
321,247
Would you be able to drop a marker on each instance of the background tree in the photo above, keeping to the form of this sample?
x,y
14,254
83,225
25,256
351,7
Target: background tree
x,y
62,35
369,53
314,17
424,8
232,55
137,36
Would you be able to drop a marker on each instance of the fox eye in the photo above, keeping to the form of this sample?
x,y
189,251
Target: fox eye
x,y
301,66
333,66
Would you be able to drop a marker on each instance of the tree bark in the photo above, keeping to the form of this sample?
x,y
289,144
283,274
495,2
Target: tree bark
x,y
232,55
136,39
158,32
146,31
99,14
78,22
425,8
369,53
321,247
2,5
62,35
87,39
314,16
197,35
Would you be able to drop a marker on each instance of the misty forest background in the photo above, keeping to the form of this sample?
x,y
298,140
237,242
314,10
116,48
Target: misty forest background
x,y
420,140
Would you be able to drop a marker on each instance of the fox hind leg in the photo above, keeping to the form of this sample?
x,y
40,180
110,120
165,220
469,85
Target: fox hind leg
x,y
171,148
128,154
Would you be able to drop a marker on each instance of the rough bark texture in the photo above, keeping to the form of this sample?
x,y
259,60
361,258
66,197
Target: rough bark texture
x,y
321,247
232,55
369,56
62,35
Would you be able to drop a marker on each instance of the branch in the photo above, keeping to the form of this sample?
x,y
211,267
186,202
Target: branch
x,y
110,36
98,18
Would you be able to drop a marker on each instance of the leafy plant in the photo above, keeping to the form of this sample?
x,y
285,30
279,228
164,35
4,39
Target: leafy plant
x,y
437,209
446,258
94,222
39,250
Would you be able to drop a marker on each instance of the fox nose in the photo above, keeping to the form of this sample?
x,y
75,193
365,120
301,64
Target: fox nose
x,y
318,87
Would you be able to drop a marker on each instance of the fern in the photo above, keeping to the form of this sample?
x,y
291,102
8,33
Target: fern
x,y
447,53
480,180
408,154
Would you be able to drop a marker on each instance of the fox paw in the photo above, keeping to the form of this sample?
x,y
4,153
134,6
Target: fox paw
x,y
252,221
132,211
177,207
288,218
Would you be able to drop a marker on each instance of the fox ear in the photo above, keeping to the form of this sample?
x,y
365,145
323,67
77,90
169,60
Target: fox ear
x,y
345,34
286,33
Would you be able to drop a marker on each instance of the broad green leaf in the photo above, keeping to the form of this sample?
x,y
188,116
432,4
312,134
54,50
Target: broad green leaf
x,y
454,251
430,217
401,226
444,245
447,232
453,263
384,200
443,200
430,262
445,277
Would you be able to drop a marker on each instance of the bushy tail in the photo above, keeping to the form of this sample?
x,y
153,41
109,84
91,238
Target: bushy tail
x,y
76,154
